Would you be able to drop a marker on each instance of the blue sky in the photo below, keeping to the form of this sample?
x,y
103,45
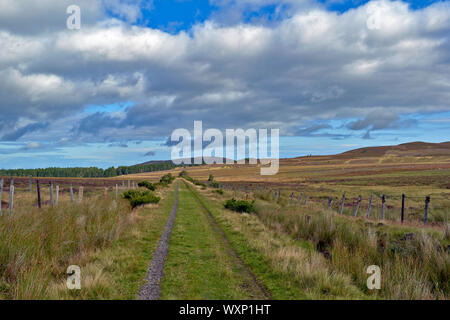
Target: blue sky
x,y
112,92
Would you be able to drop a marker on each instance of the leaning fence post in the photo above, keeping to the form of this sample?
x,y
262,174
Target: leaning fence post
x,y
370,205
427,202
355,213
299,202
71,194
57,196
342,204
51,194
80,194
1,195
38,189
306,200
403,208
11,199
329,202
383,206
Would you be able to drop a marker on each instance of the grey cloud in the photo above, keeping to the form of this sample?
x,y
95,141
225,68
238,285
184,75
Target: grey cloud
x,y
379,120
312,66
13,136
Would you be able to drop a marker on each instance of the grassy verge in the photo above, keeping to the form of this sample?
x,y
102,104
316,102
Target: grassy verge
x,y
289,269
199,265
111,244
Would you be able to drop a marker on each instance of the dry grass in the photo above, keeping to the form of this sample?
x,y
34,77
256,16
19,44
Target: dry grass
x,y
37,246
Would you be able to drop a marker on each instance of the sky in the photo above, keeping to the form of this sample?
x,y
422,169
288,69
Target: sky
x,y
331,75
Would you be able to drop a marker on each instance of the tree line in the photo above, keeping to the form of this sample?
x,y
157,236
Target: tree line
x,y
90,172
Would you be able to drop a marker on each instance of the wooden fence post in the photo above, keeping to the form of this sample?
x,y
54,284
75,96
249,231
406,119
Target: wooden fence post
x,y
57,196
105,193
370,206
355,213
30,186
51,194
117,191
306,200
11,198
129,184
403,208
1,195
274,195
290,200
38,188
299,202
71,193
427,202
383,206
329,202
341,210
80,194
279,195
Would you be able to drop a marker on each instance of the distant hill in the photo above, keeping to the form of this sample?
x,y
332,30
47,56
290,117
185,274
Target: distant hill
x,y
406,149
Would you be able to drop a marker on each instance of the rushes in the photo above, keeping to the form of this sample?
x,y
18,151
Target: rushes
x,y
37,246
415,263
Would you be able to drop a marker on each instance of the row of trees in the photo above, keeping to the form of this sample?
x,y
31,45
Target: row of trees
x,y
91,172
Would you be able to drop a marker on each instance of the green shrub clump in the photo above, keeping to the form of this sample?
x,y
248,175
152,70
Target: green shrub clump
x,y
240,205
215,185
146,184
138,198
219,191
167,178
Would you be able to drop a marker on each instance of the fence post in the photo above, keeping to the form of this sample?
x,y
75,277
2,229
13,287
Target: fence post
x,y
299,202
383,206
329,202
129,184
403,208
123,184
38,188
279,194
71,193
80,194
355,213
342,204
105,193
117,191
427,202
306,200
1,195
370,206
30,186
51,194
290,200
11,198
57,196
274,195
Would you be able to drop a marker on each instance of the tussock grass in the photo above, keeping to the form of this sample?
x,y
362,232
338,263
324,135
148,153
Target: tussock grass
x,y
37,246
415,263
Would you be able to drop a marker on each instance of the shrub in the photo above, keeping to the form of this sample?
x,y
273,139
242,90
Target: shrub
x,y
219,191
214,185
240,205
167,178
211,178
147,185
137,197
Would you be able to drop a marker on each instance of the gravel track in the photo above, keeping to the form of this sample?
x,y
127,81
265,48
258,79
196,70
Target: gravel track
x,y
151,290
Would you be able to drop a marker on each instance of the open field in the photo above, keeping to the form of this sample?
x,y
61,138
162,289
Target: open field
x,y
288,247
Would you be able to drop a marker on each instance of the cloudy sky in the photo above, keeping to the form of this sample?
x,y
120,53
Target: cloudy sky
x,y
332,75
